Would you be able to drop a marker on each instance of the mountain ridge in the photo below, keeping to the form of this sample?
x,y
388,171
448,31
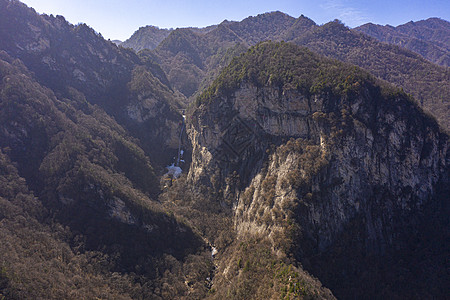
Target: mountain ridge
x,y
428,37
427,82
302,176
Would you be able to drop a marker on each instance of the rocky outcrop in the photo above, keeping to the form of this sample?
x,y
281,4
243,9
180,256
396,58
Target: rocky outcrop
x,y
326,177
384,153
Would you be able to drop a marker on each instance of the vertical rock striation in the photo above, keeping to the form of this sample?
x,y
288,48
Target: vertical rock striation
x,y
343,177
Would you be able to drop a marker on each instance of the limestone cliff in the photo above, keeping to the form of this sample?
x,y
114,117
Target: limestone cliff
x,y
336,169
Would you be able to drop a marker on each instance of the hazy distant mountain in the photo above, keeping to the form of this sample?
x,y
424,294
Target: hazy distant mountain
x,y
147,37
303,177
268,26
203,29
191,60
430,38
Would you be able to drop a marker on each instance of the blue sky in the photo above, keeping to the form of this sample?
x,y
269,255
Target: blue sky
x,y
118,19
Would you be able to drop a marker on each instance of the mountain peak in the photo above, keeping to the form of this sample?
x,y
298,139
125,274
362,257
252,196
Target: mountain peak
x,y
299,165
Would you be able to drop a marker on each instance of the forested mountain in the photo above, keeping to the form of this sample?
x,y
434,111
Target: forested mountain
x,y
147,37
304,176
192,60
427,82
430,38
79,215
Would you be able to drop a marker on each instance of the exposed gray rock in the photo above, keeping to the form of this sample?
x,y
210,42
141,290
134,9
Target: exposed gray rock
x,y
322,163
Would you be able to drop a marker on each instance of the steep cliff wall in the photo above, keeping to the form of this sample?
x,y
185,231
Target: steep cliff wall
x,y
341,173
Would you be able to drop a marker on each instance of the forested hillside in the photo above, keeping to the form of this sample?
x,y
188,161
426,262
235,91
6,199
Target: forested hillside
x,y
78,202
212,163
80,216
65,57
430,38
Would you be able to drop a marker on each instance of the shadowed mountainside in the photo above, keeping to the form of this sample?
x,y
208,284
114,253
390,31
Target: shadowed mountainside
x,y
65,57
318,164
78,202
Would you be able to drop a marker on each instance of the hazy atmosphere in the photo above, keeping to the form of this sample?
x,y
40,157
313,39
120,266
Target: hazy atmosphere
x,y
238,150
118,19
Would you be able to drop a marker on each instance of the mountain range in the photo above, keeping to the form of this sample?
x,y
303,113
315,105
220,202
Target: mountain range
x,y
191,59
429,38
314,160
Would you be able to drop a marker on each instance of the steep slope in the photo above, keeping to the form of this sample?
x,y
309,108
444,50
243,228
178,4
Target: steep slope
x,y
317,161
64,57
429,38
77,190
192,60
30,246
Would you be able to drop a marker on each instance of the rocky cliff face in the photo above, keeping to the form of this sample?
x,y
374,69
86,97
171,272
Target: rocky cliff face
x,y
343,178
384,154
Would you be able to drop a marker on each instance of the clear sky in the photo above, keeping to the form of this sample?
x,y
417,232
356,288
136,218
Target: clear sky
x,y
118,19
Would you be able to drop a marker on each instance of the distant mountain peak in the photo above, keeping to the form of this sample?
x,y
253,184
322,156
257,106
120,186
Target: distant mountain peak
x,y
274,15
147,37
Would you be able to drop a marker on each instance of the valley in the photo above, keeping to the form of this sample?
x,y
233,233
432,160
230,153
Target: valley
x,y
270,158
